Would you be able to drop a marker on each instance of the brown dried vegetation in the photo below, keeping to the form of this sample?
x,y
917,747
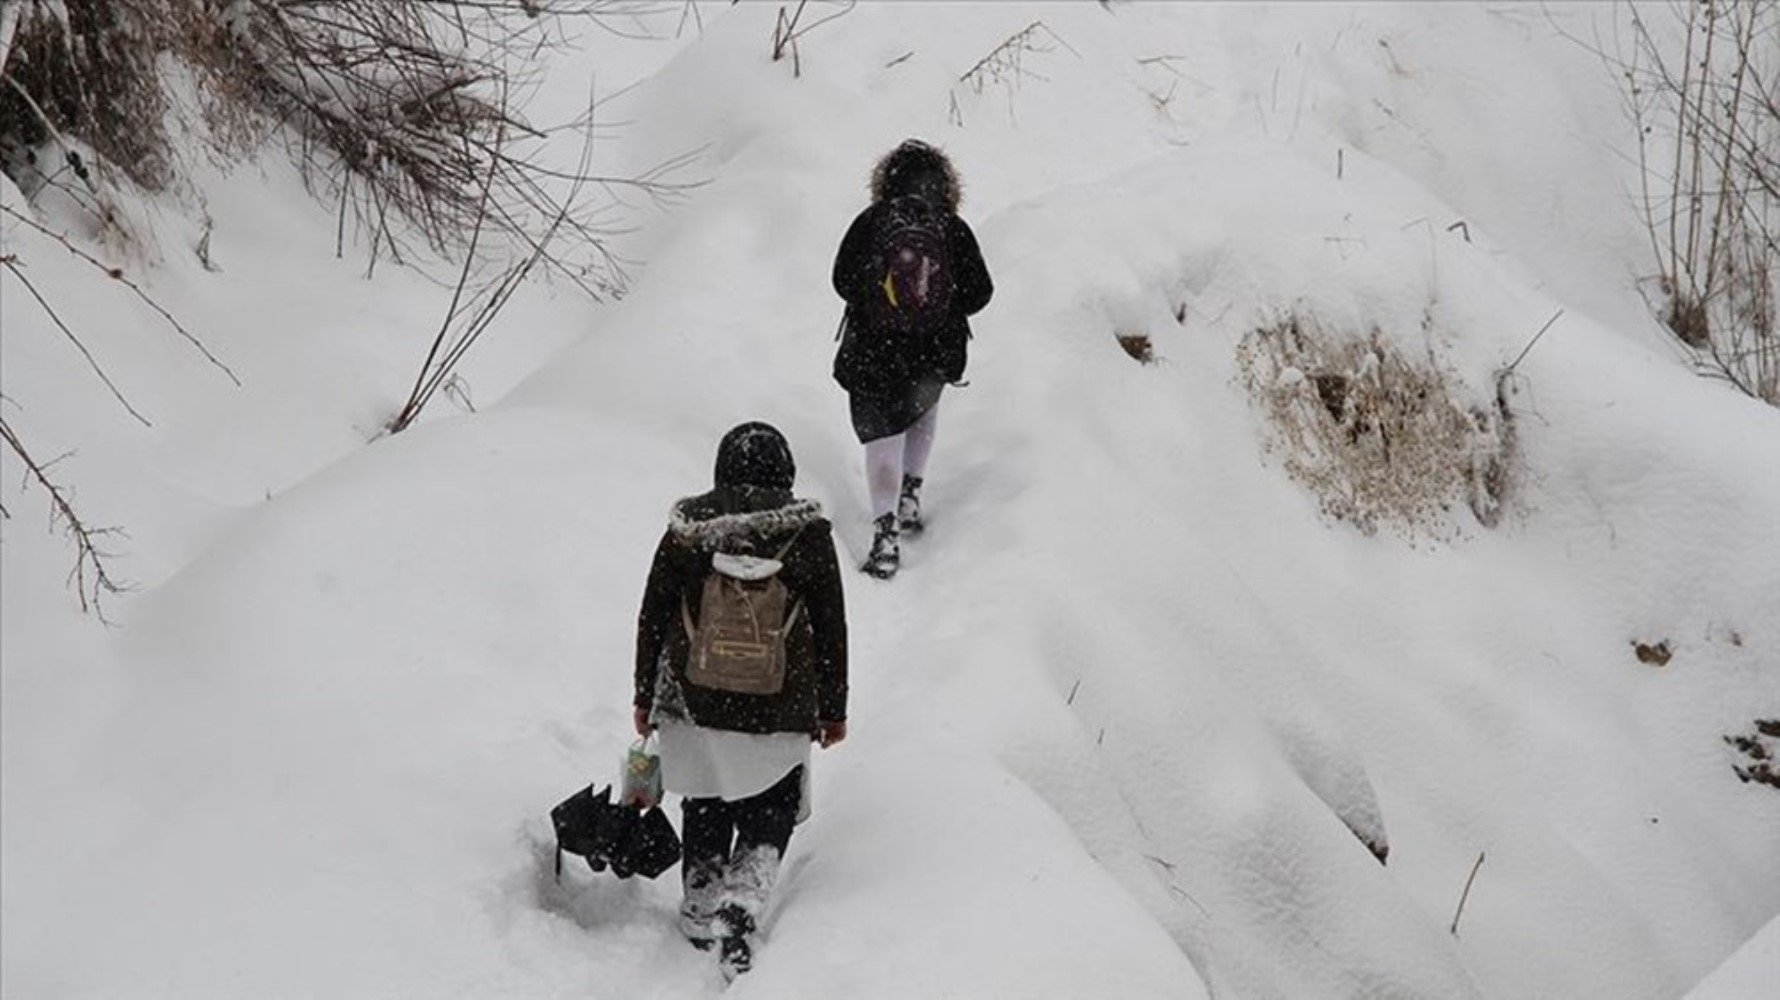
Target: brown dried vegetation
x,y
1756,756
1380,439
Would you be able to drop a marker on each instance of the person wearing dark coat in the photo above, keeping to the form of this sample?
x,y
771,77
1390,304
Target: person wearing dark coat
x,y
741,760
894,379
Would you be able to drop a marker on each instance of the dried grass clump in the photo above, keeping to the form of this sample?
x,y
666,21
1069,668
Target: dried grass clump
x,y
1381,440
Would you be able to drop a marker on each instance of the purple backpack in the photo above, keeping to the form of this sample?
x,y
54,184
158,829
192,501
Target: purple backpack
x,y
911,253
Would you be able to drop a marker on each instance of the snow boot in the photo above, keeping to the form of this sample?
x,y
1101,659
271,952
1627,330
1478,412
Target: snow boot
x,y
698,926
737,929
908,507
886,555
701,880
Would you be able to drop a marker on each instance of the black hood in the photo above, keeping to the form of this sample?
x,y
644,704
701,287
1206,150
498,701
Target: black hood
x,y
757,455
918,169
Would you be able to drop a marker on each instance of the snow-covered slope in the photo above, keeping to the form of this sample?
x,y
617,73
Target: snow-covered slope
x,y
1749,974
1115,726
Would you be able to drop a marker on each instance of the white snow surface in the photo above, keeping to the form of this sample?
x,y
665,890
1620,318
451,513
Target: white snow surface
x,y
1115,726
1749,974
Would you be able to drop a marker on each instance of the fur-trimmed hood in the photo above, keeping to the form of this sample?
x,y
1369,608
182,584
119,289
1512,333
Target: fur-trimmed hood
x,y
705,528
917,168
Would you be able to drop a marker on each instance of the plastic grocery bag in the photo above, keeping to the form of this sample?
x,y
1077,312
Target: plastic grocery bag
x,y
641,784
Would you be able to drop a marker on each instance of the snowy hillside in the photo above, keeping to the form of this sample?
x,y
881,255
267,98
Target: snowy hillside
x,y
1137,715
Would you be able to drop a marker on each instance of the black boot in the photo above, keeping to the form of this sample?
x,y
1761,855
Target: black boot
x,y
908,507
737,955
886,554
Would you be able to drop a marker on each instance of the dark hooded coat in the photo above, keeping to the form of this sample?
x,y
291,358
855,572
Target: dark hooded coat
x,y
750,512
877,363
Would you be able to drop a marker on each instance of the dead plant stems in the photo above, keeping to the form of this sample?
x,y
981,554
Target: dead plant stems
x,y
786,32
1708,129
1006,64
1454,930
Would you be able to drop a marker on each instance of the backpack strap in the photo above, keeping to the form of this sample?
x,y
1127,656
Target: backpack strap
x,y
787,547
797,605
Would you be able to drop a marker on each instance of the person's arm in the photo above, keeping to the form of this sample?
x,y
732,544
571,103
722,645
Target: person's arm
x,y
853,278
826,605
973,288
660,612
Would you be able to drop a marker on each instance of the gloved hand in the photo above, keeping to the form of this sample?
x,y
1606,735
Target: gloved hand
x,y
640,718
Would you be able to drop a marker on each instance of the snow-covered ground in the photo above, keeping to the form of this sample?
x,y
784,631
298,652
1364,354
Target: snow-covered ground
x,y
1117,723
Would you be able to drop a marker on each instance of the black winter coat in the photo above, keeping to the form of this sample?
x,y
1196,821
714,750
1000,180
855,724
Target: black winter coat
x,y
745,521
875,362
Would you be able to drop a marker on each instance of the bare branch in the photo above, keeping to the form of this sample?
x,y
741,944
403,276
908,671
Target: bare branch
x,y
411,408
11,262
91,577
117,274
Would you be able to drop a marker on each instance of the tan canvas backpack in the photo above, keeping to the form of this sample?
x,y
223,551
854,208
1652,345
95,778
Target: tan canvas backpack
x,y
738,642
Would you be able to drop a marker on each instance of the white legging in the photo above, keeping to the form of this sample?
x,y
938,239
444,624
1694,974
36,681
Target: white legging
x,y
888,459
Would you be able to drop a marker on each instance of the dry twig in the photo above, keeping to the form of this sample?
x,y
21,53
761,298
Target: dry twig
x,y
117,274
11,263
786,32
91,578
1005,65
1466,894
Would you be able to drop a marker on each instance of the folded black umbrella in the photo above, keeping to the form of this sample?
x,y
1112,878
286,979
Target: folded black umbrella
x,y
648,848
590,825
614,835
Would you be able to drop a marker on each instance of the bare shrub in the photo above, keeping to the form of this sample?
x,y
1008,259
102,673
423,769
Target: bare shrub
x,y
85,69
394,110
1708,120
1380,439
409,109
83,107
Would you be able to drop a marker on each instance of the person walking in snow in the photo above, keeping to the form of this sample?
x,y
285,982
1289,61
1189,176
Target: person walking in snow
x,y
741,663
911,273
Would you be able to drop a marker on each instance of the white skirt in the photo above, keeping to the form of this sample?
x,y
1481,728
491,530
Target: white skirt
x,y
701,763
